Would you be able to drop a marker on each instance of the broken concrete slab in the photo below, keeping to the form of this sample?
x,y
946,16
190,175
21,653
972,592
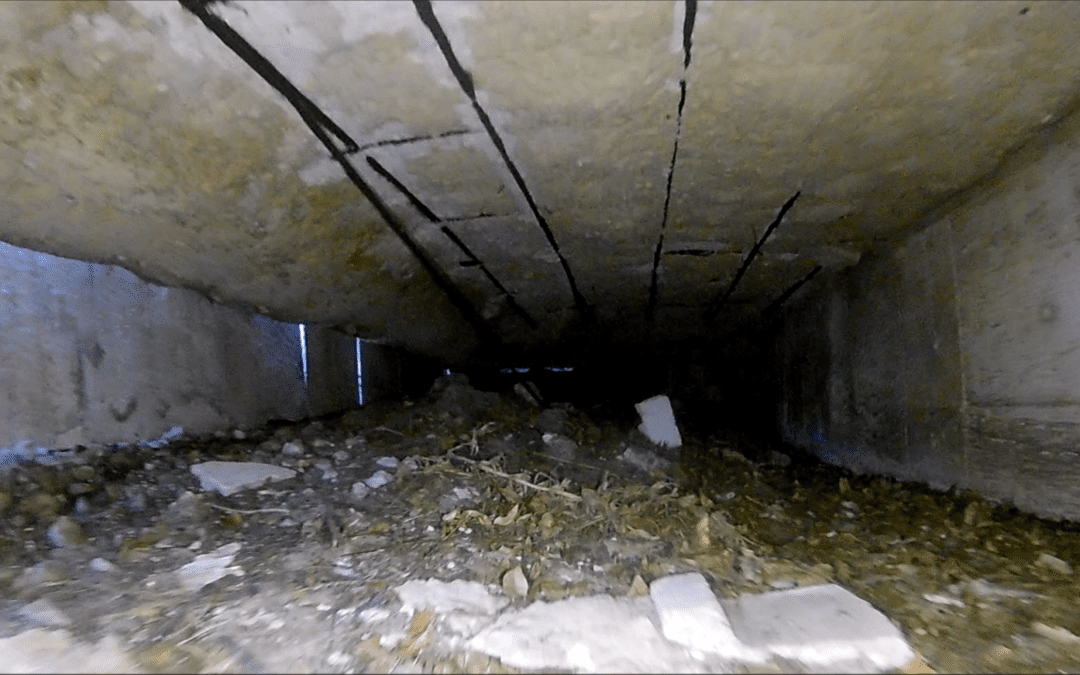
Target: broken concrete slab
x,y
209,567
459,595
826,628
658,421
598,634
231,477
691,615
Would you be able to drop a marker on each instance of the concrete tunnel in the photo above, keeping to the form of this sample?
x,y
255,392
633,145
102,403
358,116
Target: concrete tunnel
x,y
848,225
251,251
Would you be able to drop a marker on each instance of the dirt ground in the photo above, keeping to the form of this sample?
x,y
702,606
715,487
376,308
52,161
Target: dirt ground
x,y
118,556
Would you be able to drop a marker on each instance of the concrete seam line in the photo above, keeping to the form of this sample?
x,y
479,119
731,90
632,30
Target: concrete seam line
x,y
690,12
403,189
452,236
430,215
320,123
775,304
416,139
712,312
427,16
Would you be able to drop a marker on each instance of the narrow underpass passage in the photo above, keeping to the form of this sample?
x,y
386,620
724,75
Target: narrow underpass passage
x,y
419,535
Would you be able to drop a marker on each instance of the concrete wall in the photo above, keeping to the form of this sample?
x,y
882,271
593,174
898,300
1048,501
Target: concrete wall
x,y
91,354
954,358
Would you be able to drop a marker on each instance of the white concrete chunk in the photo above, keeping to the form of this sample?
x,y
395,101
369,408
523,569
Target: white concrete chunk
x,y
658,421
466,596
230,477
825,628
598,634
1054,563
691,615
209,567
378,479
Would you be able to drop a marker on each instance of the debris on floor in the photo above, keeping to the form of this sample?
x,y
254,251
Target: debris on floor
x,y
470,531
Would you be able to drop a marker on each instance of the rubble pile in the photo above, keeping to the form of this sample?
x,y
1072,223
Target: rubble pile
x,y
471,531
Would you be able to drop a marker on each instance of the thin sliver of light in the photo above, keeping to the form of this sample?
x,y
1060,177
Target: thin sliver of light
x,y
303,352
359,376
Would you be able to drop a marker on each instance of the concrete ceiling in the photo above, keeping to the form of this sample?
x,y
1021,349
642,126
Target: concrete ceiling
x,y
550,177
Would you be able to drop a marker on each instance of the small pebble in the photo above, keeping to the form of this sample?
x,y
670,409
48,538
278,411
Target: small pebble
x,y
514,583
359,490
1054,563
387,462
102,565
292,449
378,479
66,532
939,599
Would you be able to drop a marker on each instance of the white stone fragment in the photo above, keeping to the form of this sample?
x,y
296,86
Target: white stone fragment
x,y
598,634
658,421
387,462
378,479
231,477
1054,563
459,595
1055,633
292,449
65,532
825,628
691,615
985,589
209,567
939,599
359,490
102,565
524,393
514,583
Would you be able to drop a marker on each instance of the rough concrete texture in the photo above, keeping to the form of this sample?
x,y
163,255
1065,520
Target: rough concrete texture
x,y
825,628
131,134
953,358
91,354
